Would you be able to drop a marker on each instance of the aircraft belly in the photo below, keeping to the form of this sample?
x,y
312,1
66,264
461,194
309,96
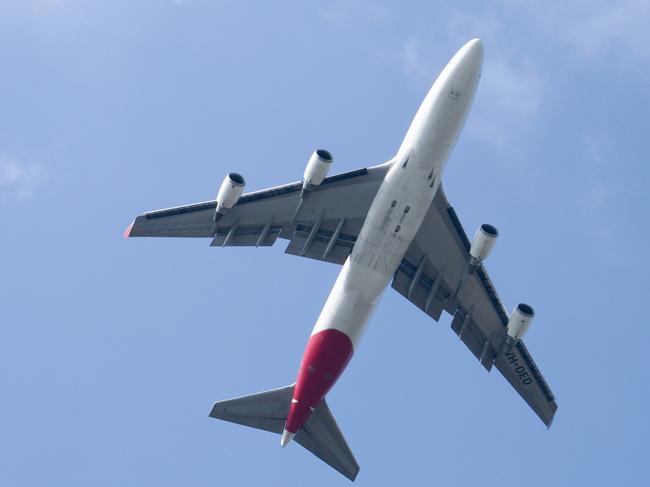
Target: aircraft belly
x,y
393,220
392,223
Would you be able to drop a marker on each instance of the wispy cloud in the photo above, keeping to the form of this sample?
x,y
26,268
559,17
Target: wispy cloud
x,y
511,94
514,83
415,63
511,88
594,28
605,193
602,169
19,180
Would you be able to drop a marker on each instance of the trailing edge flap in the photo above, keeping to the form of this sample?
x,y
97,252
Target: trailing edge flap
x,y
268,411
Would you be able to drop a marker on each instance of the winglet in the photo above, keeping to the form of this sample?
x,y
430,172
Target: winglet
x,y
127,232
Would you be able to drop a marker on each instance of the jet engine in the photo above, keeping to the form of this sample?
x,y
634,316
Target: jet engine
x,y
483,242
229,193
317,168
520,320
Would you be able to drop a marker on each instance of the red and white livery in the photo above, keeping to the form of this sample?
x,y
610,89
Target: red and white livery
x,y
386,223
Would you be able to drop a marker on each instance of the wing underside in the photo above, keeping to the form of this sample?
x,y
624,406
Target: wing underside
x,y
323,225
435,276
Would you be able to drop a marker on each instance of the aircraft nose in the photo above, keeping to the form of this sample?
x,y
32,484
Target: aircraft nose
x,y
472,53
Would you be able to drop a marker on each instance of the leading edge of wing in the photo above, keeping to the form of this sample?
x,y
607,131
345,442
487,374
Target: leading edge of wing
x,y
253,196
496,302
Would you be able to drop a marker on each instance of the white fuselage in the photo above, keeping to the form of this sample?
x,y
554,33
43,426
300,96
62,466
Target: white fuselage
x,y
393,220
404,197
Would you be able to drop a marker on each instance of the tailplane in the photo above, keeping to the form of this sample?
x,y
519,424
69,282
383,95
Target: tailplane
x,y
268,411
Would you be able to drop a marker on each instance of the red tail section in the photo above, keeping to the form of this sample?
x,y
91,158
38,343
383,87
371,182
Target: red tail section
x,y
326,356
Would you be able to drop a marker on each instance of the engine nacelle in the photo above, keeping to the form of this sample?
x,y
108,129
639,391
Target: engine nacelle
x,y
317,167
229,192
483,242
519,321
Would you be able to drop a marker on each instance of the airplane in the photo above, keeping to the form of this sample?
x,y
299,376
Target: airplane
x,y
390,223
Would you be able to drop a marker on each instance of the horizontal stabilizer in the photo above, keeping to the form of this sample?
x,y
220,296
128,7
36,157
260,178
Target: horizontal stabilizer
x,y
322,436
265,410
268,411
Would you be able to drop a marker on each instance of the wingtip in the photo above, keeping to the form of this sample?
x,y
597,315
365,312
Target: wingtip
x,y
549,423
214,412
127,232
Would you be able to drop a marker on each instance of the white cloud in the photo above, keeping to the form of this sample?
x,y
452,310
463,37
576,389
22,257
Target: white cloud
x,y
18,180
514,84
601,171
511,88
594,28
510,97
414,62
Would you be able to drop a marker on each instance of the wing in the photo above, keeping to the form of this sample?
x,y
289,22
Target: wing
x,y
433,276
323,225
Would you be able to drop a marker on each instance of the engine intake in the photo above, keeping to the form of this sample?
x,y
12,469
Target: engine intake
x,y
229,193
519,321
484,240
317,167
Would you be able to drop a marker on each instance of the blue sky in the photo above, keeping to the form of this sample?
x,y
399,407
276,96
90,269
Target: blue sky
x,y
113,351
